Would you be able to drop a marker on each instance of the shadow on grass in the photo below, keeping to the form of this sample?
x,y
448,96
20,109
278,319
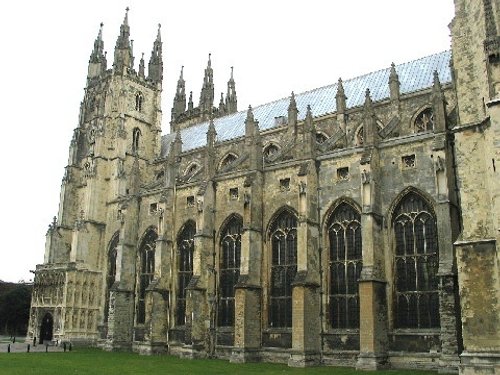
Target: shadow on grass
x,y
95,361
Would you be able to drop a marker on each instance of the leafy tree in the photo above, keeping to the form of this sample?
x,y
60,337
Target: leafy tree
x,y
14,309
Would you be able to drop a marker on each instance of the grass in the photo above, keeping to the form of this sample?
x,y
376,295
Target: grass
x,y
95,361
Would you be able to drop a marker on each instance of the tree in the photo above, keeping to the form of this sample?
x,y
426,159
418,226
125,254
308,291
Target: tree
x,y
14,309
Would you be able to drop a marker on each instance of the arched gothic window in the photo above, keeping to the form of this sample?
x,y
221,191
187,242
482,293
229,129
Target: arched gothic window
x,y
111,273
228,160
270,150
138,101
229,271
344,234
185,247
416,264
283,236
321,137
136,139
424,121
146,273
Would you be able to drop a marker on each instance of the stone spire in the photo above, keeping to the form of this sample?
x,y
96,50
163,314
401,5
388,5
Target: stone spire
x,y
97,61
180,96
394,83
231,99
124,58
155,65
207,91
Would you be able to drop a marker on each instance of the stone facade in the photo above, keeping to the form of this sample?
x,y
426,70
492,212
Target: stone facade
x,y
361,232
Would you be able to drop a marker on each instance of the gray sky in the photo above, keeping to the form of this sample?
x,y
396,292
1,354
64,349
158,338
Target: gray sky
x,y
275,46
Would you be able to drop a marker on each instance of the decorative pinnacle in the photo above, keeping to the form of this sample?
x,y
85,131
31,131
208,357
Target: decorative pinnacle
x,y
210,59
158,36
125,19
231,72
182,72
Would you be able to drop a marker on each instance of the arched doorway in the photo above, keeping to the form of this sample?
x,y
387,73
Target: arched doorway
x,y
46,328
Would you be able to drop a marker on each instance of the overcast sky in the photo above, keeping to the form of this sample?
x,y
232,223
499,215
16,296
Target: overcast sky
x,y
275,46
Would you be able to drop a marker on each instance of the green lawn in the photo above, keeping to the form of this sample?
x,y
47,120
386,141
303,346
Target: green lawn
x,y
95,361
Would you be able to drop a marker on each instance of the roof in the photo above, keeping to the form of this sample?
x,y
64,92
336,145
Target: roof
x,y
413,76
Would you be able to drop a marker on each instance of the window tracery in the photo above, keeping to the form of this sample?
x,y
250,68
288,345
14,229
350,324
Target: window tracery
x,y
345,263
230,253
138,101
283,269
136,138
147,266
185,247
424,121
416,264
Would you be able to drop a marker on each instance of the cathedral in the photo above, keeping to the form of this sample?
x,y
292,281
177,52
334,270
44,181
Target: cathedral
x,y
357,224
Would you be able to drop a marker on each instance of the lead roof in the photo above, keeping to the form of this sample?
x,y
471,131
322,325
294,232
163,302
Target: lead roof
x,y
413,76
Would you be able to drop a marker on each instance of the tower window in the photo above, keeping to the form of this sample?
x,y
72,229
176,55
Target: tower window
x,y
136,139
138,101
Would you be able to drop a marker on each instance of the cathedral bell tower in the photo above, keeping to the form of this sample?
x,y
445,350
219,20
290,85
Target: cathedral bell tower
x,y
118,131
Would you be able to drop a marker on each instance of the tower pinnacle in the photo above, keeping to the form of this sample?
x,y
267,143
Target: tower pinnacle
x,y
124,58
155,66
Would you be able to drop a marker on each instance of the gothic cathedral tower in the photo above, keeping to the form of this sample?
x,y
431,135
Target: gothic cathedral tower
x,y
476,67
119,129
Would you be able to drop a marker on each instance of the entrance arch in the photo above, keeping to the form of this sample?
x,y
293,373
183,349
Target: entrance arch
x,y
47,327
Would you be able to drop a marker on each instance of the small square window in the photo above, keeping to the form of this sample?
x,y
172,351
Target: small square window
x,y
343,173
285,184
233,194
408,161
153,207
190,201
